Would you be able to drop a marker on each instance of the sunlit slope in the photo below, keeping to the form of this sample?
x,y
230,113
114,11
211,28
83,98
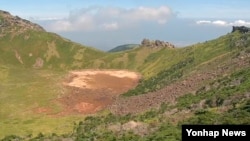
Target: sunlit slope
x,y
150,61
38,49
166,66
25,44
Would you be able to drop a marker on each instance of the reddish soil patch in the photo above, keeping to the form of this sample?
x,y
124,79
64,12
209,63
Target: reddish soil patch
x,y
89,91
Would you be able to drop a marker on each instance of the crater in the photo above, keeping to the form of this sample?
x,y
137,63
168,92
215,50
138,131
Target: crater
x,y
89,91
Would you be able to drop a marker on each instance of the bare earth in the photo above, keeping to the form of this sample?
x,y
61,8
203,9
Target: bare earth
x,y
89,91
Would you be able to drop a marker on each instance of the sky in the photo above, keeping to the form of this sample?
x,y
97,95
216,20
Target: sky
x,y
105,24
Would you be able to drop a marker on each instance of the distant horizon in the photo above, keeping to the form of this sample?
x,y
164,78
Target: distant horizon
x,y
108,24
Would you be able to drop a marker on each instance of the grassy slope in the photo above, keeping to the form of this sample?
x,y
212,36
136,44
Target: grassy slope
x,y
166,65
26,89
56,52
150,61
22,92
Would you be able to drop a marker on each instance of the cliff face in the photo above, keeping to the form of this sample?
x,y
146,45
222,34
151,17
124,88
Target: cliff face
x,y
15,25
156,43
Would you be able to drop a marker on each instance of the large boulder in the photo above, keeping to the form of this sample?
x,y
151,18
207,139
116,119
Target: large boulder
x,y
146,42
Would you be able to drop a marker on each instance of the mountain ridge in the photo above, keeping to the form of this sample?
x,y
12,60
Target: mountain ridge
x,y
7,21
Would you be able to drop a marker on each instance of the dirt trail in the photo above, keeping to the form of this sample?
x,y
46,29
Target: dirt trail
x,y
89,91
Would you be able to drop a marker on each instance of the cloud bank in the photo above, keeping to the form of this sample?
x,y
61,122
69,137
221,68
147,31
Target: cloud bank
x,y
224,23
109,18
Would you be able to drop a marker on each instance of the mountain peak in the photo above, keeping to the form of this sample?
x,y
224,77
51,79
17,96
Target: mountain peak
x,y
15,24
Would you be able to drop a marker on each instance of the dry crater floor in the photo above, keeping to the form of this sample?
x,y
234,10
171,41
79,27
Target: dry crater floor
x,y
89,91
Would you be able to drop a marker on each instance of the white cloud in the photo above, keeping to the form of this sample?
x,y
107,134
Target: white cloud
x,y
242,22
160,14
109,18
220,23
224,23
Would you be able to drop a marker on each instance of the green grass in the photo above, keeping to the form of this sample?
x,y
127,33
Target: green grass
x,y
160,80
23,89
165,66
26,89
33,125
56,52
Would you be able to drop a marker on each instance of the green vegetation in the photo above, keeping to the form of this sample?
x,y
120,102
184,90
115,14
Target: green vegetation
x,y
54,51
23,91
33,62
219,90
162,79
190,60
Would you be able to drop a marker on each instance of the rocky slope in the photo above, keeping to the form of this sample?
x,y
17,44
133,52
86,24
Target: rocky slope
x,y
15,25
190,84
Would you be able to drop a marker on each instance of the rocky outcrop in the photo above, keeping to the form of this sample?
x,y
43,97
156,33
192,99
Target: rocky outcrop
x,y
138,128
156,43
241,29
15,24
